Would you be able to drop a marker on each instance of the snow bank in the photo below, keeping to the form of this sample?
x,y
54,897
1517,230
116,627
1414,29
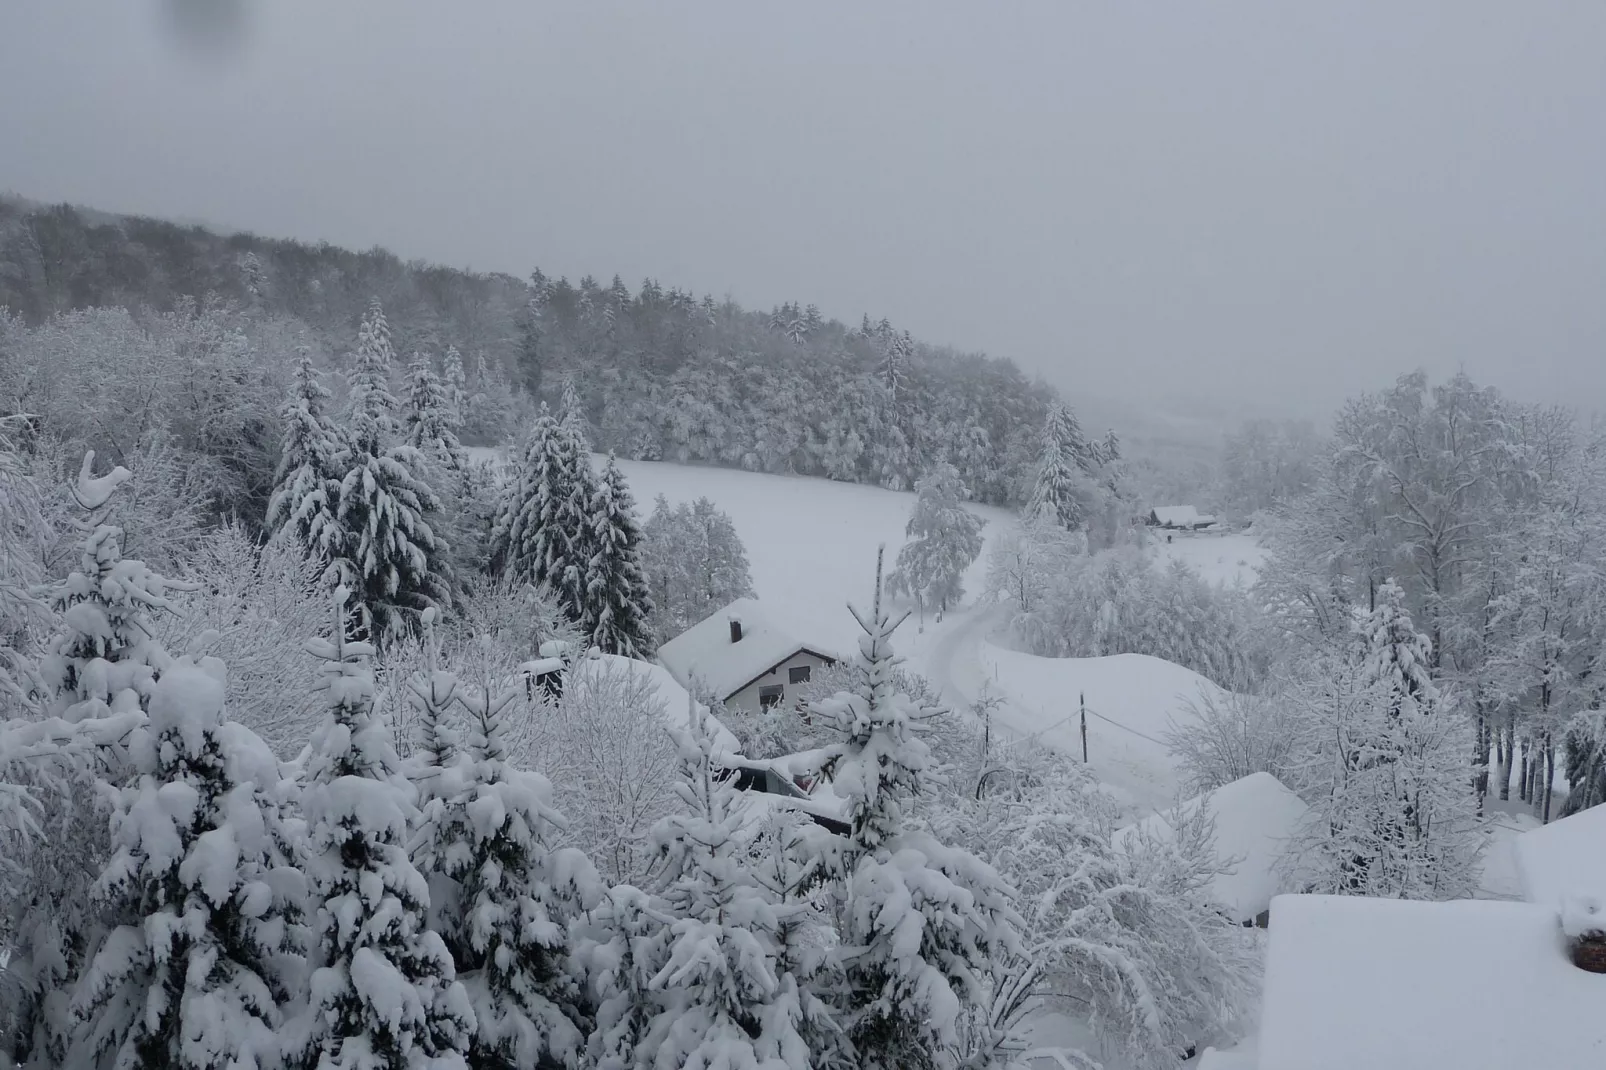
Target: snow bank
x,y
1563,859
1391,984
1255,818
1132,701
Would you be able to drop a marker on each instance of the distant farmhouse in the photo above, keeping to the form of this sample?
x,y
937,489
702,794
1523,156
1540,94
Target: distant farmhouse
x,y
741,657
1179,518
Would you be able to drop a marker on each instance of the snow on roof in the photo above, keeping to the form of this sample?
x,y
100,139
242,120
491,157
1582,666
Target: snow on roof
x,y
704,652
674,697
1393,984
1180,516
1564,858
1255,819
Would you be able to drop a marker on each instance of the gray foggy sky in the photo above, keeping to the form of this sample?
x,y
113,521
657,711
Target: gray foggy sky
x,y
1279,202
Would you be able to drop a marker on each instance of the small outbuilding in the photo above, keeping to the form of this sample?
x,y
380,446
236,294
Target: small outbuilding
x,y
1179,518
743,658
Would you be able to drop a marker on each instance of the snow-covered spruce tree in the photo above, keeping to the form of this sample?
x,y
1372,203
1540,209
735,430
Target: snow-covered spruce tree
x,y
430,425
543,530
945,538
455,382
715,999
392,559
1393,812
1057,491
905,982
384,993
507,896
306,488
207,952
618,604
94,681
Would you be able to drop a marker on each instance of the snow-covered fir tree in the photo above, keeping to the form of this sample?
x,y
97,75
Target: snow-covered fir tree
x,y
306,487
543,532
384,992
618,603
1057,491
1393,812
716,1000
206,952
945,538
430,424
905,982
506,896
392,559
455,382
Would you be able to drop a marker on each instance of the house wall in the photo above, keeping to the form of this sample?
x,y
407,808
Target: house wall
x,y
747,698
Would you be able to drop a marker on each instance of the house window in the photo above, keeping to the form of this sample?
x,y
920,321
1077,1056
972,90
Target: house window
x,y
798,674
770,696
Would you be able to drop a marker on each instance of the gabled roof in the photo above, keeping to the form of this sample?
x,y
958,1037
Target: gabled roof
x,y
1255,818
705,654
673,696
1180,516
1393,984
1564,858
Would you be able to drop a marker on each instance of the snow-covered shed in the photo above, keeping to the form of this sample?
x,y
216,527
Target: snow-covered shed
x,y
1394,984
1179,518
742,657
1255,818
1564,859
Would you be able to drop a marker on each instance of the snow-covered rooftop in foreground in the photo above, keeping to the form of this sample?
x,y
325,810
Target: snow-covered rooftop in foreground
x,y
705,653
1391,984
1564,858
1255,818
674,697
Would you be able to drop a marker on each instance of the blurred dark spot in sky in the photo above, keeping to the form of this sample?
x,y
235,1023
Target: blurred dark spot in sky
x,y
214,30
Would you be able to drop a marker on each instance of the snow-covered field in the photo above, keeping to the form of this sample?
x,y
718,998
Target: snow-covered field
x,y
1232,558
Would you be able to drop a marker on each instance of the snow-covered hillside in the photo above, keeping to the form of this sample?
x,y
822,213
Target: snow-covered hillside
x,y
1229,559
811,542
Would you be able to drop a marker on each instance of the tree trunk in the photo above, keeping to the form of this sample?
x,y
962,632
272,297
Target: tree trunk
x,y
1524,782
1480,758
1508,742
1549,774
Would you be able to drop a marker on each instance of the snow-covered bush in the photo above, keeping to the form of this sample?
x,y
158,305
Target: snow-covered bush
x,y
1227,735
695,564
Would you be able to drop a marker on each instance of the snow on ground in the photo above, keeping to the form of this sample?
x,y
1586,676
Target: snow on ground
x,y
1563,859
1132,700
1232,559
811,542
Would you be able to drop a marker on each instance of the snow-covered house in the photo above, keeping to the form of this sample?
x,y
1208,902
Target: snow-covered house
x,y
743,658
1256,818
1179,518
793,781
1564,859
1394,984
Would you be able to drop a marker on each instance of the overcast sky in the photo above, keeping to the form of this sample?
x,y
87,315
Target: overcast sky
x,y
1270,201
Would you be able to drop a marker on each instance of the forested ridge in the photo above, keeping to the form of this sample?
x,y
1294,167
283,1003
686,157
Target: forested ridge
x,y
662,373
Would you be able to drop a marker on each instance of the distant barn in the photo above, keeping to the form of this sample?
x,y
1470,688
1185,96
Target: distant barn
x,y
1179,518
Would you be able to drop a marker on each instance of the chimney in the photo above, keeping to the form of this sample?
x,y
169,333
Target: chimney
x,y
736,630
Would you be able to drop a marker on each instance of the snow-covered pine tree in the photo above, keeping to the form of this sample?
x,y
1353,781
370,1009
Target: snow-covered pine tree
x,y
905,983
618,602
430,424
392,559
384,993
543,530
456,385
1394,814
1056,490
716,999
572,411
94,682
508,896
306,487
945,538
208,950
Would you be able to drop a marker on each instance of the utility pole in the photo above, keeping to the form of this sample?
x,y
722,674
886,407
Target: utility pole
x,y
1082,698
